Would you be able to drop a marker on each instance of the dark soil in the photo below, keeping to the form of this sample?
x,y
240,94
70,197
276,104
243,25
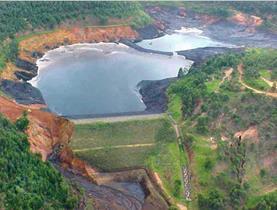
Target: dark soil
x,y
153,94
22,92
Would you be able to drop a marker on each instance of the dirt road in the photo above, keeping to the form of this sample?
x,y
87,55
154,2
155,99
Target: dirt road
x,y
118,118
240,70
114,147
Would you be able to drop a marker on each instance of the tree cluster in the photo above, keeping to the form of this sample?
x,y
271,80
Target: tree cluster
x,y
25,181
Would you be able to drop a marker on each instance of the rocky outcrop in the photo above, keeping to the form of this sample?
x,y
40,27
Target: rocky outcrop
x,y
22,92
153,94
24,75
26,65
149,32
200,55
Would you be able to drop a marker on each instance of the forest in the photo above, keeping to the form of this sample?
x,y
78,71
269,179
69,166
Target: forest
x,y
215,107
17,17
25,181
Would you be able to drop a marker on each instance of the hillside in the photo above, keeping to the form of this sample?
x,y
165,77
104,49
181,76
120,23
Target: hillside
x,y
214,147
18,18
261,14
229,129
25,181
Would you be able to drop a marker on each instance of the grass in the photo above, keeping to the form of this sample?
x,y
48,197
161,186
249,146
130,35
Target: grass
x,y
163,157
110,159
167,161
202,154
266,74
110,134
175,107
213,85
257,83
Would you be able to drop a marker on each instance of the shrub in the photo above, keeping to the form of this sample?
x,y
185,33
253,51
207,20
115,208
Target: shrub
x,y
22,122
177,188
213,201
202,125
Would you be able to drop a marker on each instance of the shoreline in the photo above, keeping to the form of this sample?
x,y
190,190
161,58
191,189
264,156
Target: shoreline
x,y
35,97
28,69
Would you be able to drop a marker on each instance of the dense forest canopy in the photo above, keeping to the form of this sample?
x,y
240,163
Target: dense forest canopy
x,y
18,16
25,181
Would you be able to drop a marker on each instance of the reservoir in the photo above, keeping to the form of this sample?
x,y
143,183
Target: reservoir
x,y
100,78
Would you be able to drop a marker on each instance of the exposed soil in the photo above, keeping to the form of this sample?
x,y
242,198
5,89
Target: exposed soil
x,y
241,29
250,134
32,48
22,92
153,94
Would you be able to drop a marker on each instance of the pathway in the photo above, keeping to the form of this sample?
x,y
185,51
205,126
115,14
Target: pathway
x,y
114,147
240,70
268,81
118,118
227,75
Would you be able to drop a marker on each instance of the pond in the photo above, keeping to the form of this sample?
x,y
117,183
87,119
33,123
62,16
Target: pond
x,y
102,78
183,39
99,78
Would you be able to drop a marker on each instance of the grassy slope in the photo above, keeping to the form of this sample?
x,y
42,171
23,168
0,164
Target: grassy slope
x,y
163,157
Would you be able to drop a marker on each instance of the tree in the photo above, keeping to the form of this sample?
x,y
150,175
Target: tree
x,y
177,188
202,124
213,201
237,154
22,122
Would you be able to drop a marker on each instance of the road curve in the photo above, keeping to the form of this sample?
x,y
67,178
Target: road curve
x,y
117,118
240,70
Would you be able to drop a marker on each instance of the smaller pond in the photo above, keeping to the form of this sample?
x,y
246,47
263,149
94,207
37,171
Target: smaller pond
x,y
184,39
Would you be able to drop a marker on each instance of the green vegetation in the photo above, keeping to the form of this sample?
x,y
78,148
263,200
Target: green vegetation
x,y
141,143
18,17
255,62
229,173
23,122
267,201
25,181
111,134
175,107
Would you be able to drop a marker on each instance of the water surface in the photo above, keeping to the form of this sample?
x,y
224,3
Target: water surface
x,y
100,78
184,39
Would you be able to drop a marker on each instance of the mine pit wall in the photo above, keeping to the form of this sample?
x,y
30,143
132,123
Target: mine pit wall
x,y
13,81
155,198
